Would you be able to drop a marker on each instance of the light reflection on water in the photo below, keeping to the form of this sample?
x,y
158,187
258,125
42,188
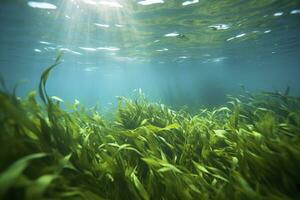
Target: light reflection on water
x,y
186,28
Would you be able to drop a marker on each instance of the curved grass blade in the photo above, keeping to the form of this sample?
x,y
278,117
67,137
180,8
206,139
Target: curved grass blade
x,y
10,175
43,80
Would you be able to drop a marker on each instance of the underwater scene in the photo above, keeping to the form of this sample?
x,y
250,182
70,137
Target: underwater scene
x,y
149,99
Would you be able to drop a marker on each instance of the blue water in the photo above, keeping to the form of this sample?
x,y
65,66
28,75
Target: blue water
x,y
177,52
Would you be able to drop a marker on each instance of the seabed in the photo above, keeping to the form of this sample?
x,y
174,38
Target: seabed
x,y
247,149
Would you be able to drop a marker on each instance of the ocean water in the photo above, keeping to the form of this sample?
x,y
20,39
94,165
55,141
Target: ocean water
x,y
179,53
221,119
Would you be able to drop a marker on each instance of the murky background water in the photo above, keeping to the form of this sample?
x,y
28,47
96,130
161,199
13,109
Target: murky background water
x,y
178,52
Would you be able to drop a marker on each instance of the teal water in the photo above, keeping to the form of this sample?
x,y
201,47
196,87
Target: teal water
x,y
177,52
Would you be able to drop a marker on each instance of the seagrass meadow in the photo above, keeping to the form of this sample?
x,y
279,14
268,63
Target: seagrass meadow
x,y
248,148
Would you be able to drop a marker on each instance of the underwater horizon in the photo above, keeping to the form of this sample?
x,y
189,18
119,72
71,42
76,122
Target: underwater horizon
x,y
149,99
